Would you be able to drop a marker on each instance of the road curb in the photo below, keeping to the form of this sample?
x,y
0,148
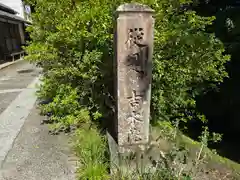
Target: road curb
x,y
2,66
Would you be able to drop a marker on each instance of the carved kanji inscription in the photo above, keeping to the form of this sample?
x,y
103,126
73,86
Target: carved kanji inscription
x,y
133,65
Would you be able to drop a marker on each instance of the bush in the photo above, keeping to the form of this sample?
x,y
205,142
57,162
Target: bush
x,y
73,42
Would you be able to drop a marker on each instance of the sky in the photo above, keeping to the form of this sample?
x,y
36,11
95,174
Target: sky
x,y
17,5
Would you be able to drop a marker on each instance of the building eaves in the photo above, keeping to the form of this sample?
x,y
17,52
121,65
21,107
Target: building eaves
x,y
12,17
5,8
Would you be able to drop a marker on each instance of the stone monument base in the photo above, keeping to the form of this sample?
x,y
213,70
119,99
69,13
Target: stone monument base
x,y
131,160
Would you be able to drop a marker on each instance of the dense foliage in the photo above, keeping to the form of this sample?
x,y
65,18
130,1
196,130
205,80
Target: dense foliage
x,y
73,42
224,104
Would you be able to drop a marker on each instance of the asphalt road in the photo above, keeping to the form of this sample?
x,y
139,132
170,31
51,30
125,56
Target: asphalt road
x,y
27,151
18,75
13,82
36,155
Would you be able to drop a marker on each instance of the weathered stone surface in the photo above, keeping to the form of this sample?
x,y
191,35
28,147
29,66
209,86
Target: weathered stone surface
x,y
134,47
134,7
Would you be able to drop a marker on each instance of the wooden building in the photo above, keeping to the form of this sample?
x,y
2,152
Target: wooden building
x,y
12,32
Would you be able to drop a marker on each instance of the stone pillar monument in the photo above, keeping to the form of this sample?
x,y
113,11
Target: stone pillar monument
x,y
133,68
134,73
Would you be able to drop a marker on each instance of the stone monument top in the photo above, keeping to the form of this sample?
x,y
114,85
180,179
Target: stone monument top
x,y
134,7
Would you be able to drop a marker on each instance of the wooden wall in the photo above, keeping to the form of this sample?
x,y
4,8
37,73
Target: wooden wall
x,y
10,40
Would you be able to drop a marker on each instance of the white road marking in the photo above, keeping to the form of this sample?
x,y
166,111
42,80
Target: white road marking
x,y
10,90
5,78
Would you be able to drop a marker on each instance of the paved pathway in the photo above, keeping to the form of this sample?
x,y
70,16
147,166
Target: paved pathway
x,y
27,151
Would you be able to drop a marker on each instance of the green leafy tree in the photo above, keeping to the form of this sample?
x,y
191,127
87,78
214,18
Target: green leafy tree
x,y
223,104
73,42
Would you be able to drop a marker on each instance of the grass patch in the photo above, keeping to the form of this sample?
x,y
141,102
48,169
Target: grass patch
x,y
213,166
90,147
213,160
